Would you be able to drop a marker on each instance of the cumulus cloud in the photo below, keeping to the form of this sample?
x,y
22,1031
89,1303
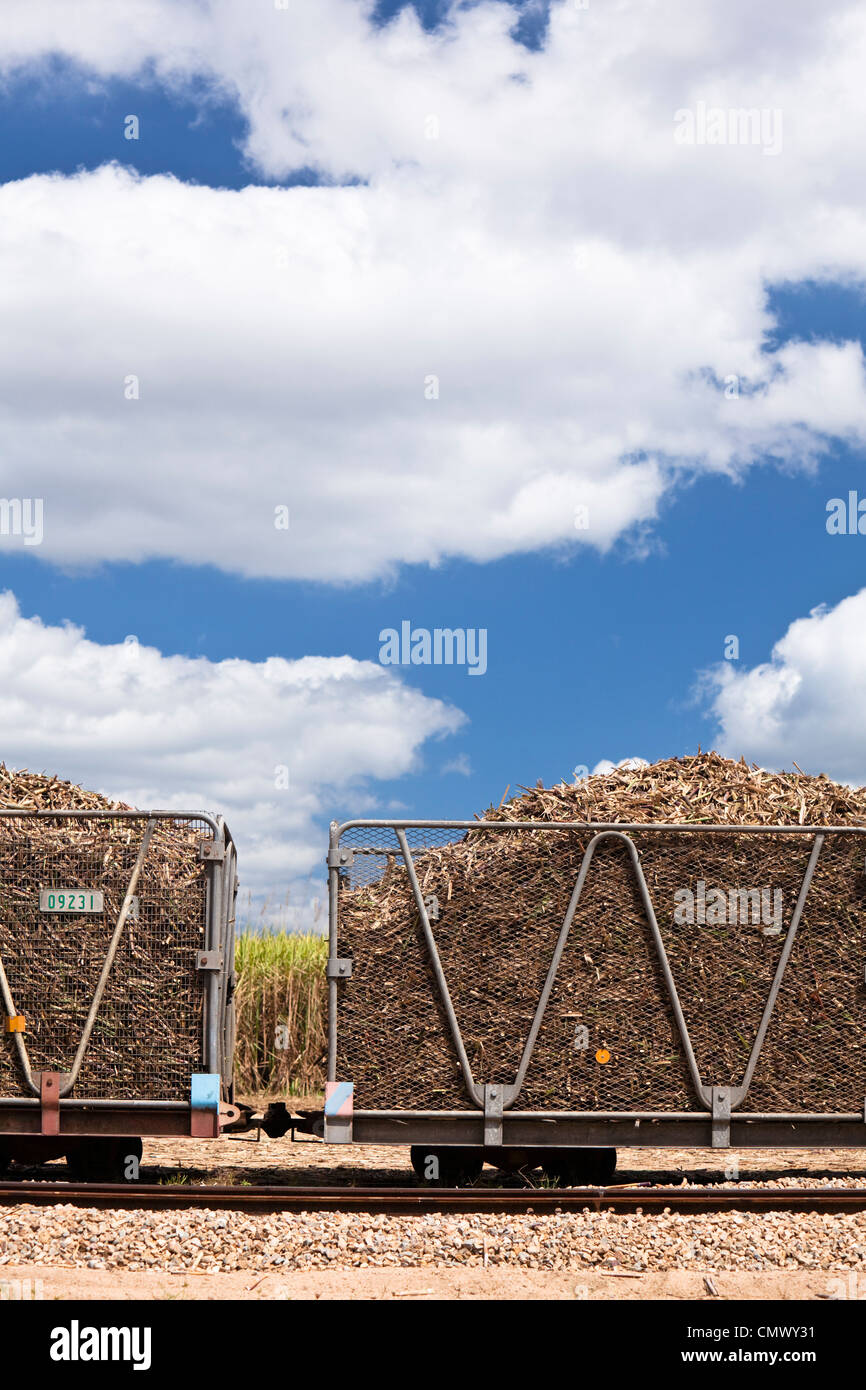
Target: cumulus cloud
x,y
276,746
805,704
489,346
460,765
605,767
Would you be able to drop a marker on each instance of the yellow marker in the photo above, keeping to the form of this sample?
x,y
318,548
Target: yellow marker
x,y
15,1023
602,1055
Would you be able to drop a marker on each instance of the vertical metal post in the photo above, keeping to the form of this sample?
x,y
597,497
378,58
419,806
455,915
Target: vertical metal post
x,y
49,1094
721,1126
227,974
212,1029
333,924
493,1104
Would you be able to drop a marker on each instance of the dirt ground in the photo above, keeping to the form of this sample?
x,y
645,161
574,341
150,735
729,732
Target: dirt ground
x,y
427,1283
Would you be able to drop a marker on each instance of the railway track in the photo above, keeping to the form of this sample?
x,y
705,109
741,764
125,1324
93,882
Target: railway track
x,y
405,1200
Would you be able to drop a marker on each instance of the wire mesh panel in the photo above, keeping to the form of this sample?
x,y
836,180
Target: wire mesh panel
x,y
392,1028
147,1038
814,1057
609,1038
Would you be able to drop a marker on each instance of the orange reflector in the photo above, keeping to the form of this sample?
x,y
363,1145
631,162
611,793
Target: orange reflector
x,y
602,1055
15,1023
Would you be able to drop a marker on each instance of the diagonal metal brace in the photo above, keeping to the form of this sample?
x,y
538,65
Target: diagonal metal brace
x,y
475,1090
740,1092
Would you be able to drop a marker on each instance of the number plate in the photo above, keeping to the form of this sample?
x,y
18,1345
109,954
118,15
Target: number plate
x,y
77,900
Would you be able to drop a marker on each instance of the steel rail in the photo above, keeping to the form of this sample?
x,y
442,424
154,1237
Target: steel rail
x,y
627,1198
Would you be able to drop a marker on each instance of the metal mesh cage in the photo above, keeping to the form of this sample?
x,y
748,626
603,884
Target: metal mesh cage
x,y
147,1037
609,1038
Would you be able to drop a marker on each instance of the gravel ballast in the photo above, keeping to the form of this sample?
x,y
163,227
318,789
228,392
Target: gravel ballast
x,y
211,1241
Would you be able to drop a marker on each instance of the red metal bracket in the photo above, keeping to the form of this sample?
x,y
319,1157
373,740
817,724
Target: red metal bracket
x,y
204,1124
49,1095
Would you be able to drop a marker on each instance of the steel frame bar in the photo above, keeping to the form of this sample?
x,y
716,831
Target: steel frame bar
x,y
681,827
77,1103
15,813
534,1130
88,1120
333,926
639,1116
213,1013
20,1048
708,1095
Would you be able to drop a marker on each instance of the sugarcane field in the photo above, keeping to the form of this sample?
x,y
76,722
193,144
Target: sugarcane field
x,y
432,681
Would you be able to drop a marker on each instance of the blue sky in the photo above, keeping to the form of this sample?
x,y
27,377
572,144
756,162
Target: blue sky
x,y
591,655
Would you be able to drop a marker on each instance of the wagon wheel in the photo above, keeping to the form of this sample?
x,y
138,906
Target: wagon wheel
x,y
446,1167
580,1167
103,1160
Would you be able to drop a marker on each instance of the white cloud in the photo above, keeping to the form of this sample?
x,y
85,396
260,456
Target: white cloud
x,y
460,765
805,705
180,733
579,283
605,767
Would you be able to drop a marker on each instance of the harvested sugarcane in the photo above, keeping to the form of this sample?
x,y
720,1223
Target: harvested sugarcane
x,y
608,1040
147,1034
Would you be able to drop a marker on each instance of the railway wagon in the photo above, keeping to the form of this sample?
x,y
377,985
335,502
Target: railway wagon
x,y
116,981
542,993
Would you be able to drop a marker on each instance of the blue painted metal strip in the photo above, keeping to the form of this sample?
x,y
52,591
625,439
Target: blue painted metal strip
x,y
339,1092
204,1090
